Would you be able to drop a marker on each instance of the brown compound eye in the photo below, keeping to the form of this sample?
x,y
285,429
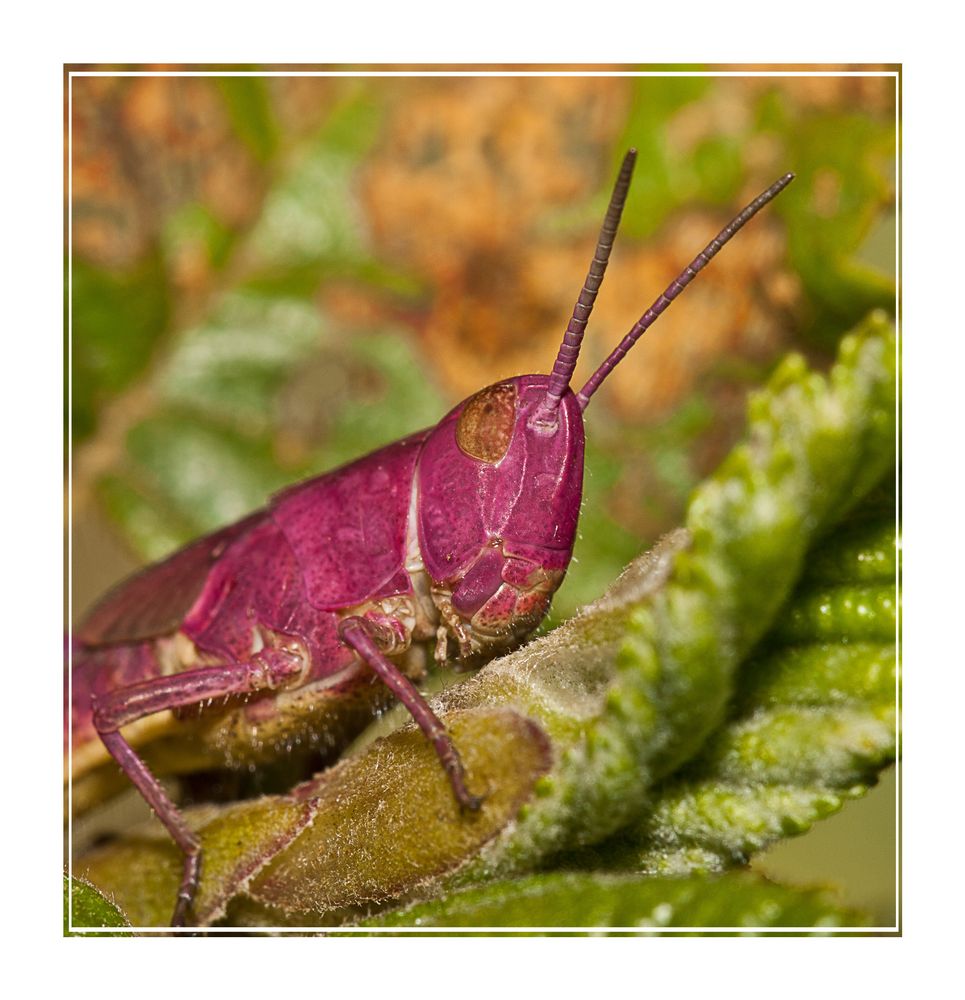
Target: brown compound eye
x,y
486,423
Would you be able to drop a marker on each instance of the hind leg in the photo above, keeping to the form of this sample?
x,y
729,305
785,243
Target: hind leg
x,y
266,671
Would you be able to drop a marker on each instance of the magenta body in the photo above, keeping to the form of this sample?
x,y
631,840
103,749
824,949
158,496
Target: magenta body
x,y
446,546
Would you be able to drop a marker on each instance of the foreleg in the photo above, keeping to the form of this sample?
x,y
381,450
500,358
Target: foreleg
x,y
358,633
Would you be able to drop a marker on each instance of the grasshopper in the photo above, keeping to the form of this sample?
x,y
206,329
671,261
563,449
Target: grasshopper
x,y
272,630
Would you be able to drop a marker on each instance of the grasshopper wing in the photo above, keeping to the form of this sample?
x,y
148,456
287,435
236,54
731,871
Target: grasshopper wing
x,y
154,601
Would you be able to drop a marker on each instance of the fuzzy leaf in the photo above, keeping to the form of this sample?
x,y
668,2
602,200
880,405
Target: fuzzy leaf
x,y
626,901
238,842
812,724
364,845
319,848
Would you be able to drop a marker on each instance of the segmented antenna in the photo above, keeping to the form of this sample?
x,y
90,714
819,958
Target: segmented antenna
x,y
677,286
570,347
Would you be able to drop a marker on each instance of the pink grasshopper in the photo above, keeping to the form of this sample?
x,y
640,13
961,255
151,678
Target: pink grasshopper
x,y
270,630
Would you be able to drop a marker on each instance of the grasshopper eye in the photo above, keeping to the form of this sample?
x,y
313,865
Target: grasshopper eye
x,y
486,423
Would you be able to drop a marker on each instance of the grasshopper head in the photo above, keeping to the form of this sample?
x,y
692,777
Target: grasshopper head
x,y
499,499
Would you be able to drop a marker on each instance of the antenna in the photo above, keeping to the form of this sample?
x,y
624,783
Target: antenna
x,y
677,286
573,337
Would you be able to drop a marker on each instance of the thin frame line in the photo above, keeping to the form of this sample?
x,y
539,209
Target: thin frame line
x,y
636,931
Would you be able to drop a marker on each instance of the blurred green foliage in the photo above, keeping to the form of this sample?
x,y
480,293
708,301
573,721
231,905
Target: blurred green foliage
x,y
228,373
249,107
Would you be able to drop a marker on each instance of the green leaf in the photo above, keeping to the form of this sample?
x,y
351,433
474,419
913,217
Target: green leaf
x,y
194,225
84,906
627,901
231,368
178,458
842,192
249,107
624,694
146,869
312,215
670,179
118,319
